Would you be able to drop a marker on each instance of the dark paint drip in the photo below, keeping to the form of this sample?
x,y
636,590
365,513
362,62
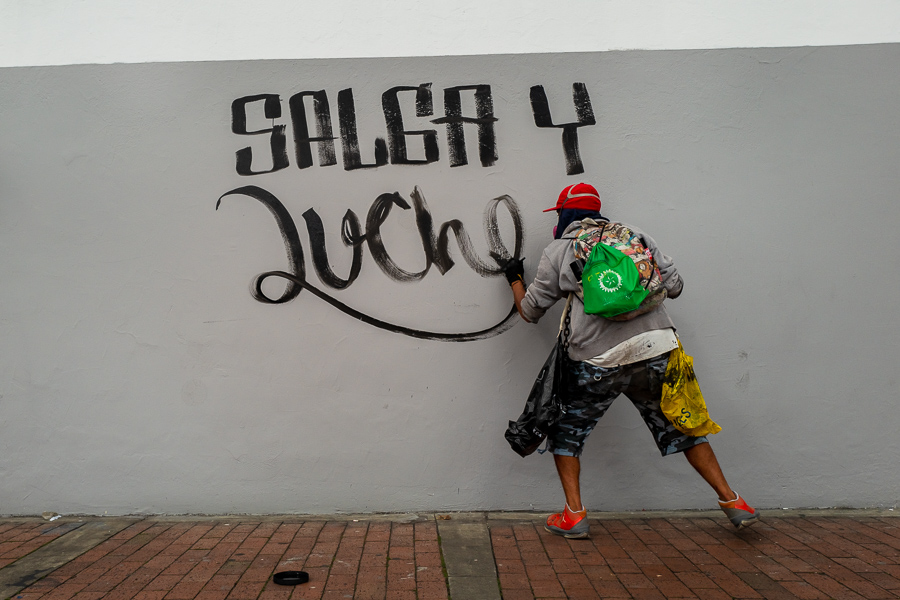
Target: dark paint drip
x,y
583,111
435,248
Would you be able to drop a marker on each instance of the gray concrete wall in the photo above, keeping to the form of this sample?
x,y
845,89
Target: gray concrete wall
x,y
140,375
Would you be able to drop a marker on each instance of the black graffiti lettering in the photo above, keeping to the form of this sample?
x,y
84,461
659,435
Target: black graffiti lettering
x,y
497,250
425,225
378,214
289,234
395,147
584,113
302,139
435,248
350,235
277,140
484,108
393,118
350,139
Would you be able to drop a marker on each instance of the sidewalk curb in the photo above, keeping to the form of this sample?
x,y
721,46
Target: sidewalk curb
x,y
412,517
767,513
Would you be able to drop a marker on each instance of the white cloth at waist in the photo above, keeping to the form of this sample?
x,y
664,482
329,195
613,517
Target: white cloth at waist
x,y
640,347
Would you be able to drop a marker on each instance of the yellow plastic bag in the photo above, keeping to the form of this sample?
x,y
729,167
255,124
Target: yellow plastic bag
x,y
682,402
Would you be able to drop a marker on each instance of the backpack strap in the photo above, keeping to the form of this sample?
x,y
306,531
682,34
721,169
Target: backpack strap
x,y
562,318
564,322
577,265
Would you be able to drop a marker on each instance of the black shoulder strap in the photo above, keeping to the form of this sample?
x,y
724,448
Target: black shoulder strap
x,y
577,267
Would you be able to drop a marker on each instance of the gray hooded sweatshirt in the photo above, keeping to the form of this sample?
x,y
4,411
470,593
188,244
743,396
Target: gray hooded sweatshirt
x,y
592,335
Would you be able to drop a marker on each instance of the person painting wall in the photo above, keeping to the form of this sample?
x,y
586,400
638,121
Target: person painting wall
x,y
608,357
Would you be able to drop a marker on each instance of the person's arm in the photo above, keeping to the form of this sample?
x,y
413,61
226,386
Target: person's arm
x,y
518,290
534,301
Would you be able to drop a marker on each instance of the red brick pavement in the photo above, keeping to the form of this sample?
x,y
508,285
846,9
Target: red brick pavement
x,y
702,558
644,558
235,559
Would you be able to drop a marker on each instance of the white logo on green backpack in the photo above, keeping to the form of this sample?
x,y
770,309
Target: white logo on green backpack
x,y
609,281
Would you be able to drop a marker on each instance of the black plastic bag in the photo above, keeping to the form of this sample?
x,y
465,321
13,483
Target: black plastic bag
x,y
543,406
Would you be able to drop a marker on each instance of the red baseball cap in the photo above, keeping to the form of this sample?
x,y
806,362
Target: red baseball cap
x,y
580,195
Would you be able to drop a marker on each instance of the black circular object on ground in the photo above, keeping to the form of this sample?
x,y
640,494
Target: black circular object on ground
x,y
290,577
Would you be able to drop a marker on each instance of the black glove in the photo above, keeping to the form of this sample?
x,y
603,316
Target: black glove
x,y
514,269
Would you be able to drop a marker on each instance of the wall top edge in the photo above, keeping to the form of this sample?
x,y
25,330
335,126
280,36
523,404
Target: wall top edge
x,y
462,56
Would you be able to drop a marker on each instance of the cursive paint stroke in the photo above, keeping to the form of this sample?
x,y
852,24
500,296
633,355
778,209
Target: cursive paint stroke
x,y
507,322
435,248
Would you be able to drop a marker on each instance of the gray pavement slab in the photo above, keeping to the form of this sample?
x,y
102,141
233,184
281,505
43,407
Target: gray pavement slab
x,y
81,537
466,547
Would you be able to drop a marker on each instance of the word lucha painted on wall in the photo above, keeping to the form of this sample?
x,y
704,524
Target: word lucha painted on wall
x,y
394,148
435,247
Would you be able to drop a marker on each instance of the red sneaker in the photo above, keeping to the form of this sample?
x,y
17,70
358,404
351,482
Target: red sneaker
x,y
739,512
569,524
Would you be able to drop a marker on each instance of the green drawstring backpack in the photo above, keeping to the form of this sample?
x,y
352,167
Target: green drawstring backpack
x,y
611,282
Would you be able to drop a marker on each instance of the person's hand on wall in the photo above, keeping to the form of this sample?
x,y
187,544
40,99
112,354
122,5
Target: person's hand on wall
x,y
514,269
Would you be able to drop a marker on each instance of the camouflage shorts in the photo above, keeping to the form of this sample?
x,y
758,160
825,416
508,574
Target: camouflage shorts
x,y
590,391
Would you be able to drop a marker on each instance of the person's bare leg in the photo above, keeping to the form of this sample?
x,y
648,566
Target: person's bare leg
x,y
569,470
704,461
